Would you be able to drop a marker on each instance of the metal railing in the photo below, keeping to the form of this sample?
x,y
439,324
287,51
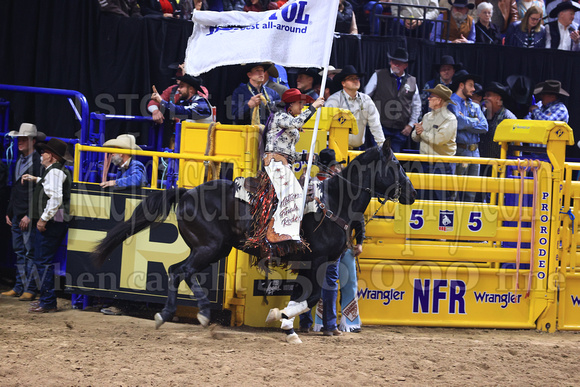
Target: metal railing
x,y
394,24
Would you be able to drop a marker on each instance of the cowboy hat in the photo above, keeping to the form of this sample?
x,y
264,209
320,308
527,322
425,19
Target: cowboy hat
x,y
550,87
442,92
462,76
293,95
28,130
447,60
498,88
327,157
521,88
564,5
400,54
247,67
478,89
57,147
331,70
346,71
192,81
462,4
123,141
311,72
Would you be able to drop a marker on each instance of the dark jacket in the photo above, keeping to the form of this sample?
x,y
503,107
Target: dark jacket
x,y
21,194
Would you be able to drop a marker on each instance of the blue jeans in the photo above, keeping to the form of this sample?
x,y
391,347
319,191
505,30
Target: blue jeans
x,y
398,140
46,245
23,246
329,296
468,170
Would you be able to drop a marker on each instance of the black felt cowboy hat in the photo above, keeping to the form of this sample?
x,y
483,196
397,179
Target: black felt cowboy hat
x,y
498,88
311,72
192,81
447,60
327,158
564,5
462,4
400,54
348,70
550,87
462,76
57,147
247,67
521,88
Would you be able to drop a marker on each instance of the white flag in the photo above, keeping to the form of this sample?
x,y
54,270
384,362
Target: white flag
x,y
297,35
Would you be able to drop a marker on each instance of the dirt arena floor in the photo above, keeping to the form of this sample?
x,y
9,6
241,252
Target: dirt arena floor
x,y
83,348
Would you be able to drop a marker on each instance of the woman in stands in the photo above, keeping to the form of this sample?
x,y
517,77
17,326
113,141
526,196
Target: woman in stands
x,y
529,32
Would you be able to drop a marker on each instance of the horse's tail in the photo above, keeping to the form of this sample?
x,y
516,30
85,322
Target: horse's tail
x,y
153,209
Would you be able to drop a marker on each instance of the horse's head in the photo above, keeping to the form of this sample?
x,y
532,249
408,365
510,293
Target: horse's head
x,y
394,179
388,178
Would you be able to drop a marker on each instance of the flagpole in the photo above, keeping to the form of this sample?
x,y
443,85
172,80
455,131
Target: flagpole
x,y
328,48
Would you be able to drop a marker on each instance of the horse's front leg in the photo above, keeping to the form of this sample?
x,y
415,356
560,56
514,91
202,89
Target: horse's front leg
x,y
305,296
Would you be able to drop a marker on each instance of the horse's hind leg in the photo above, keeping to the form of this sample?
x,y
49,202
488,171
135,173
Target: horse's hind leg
x,y
176,275
202,301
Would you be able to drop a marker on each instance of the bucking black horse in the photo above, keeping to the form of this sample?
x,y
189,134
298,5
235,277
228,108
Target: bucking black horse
x,y
212,221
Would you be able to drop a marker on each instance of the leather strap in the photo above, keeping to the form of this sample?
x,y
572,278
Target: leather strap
x,y
330,215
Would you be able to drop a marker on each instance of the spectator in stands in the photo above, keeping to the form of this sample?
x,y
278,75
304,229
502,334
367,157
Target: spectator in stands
x,y
361,106
461,25
445,70
505,12
396,96
550,7
495,96
191,105
563,34
253,94
529,32
131,172
549,108
524,6
19,212
406,25
436,134
344,269
274,81
306,80
219,5
126,8
485,31
50,216
260,5
471,123
345,19
373,9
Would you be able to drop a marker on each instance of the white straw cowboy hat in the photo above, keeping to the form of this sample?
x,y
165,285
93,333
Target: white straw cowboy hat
x,y
123,141
28,130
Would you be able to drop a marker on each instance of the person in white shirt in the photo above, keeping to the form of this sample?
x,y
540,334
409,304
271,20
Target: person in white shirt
x,y
361,105
563,33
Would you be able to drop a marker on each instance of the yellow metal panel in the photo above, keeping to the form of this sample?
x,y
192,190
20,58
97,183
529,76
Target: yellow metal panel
x,y
84,240
531,131
90,206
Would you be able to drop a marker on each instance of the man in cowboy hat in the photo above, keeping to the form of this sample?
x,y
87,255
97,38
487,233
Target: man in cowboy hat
x,y
253,94
563,34
18,214
396,96
549,108
131,172
274,79
471,123
191,105
50,217
306,80
361,106
445,70
494,98
436,134
461,25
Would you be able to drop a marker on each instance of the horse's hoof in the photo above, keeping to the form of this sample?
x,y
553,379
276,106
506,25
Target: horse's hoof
x,y
158,320
274,315
204,321
293,339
